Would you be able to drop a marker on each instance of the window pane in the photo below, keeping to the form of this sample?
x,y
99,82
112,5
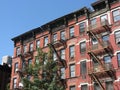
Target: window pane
x,y
62,73
54,56
62,54
103,18
72,87
118,57
45,41
38,43
117,37
31,47
82,27
109,85
84,87
14,83
96,86
54,37
107,59
105,38
71,31
72,70
16,66
116,15
83,67
82,47
72,51
18,51
62,35
29,61
24,49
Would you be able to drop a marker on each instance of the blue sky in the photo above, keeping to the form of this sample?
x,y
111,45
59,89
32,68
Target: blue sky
x,y
20,16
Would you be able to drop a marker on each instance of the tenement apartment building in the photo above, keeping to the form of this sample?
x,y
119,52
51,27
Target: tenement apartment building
x,y
86,42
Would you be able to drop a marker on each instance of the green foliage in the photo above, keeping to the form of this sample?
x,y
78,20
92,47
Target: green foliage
x,y
44,73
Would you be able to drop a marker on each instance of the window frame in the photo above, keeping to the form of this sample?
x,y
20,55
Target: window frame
x,y
31,47
118,15
62,35
72,70
83,27
72,87
62,54
72,51
118,59
14,83
18,52
16,65
71,31
55,37
46,41
85,85
83,47
37,43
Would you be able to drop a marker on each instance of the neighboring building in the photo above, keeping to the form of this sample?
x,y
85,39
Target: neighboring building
x,y
86,42
7,60
5,72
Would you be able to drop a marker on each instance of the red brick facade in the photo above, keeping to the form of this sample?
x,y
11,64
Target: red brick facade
x,y
94,60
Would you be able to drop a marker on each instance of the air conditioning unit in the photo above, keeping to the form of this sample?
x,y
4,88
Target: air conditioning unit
x,y
21,85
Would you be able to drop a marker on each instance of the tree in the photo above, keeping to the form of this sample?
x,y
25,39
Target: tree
x,y
45,73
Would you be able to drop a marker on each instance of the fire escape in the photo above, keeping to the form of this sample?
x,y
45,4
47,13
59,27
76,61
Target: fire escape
x,y
95,51
21,70
56,45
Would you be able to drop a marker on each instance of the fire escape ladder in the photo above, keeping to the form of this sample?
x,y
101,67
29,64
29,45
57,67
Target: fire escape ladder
x,y
98,81
97,59
59,59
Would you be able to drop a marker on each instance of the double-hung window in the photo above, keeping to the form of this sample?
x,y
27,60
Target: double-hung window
x,y
62,53
16,66
71,32
117,37
24,48
72,51
84,87
93,23
118,59
38,44
18,51
45,41
62,35
116,15
82,47
31,47
54,37
72,88
14,83
62,73
72,70
82,27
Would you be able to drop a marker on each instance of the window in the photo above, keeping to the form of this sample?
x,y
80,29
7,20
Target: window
x,y
116,15
31,47
72,51
105,38
72,70
23,65
45,41
54,37
29,61
72,88
54,56
82,47
71,31
83,67
62,73
82,27
38,44
16,66
24,49
18,51
14,83
84,87
45,59
93,23
103,19
96,86
107,59
36,60
118,59
117,37
62,54
109,85
28,77
62,35
94,41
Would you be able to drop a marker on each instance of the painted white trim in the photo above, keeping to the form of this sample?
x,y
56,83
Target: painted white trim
x,y
82,40
115,9
83,84
115,31
87,60
82,22
108,16
116,53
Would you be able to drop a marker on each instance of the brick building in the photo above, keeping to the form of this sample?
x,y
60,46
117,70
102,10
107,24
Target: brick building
x,y
88,41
